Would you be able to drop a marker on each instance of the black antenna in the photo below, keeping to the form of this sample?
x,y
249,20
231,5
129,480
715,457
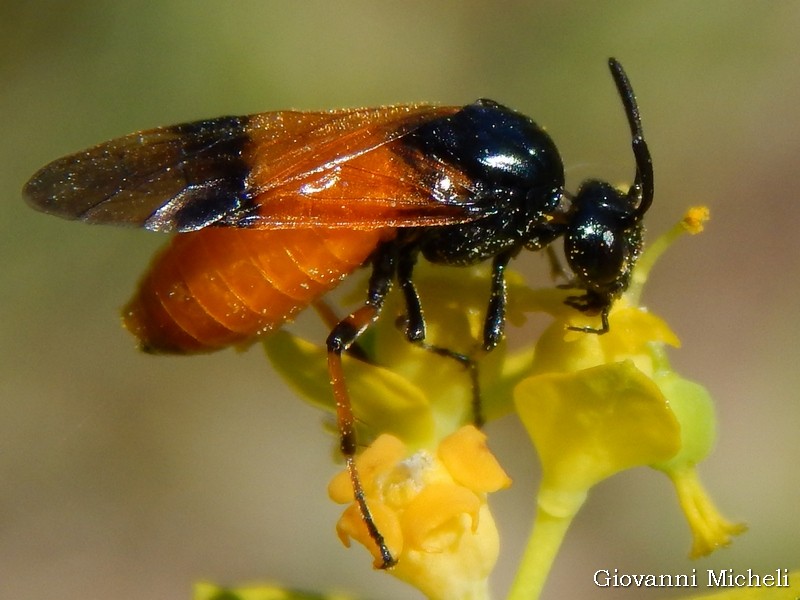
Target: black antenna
x,y
642,189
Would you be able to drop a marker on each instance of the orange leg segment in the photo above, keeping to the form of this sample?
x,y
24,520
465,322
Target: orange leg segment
x,y
341,338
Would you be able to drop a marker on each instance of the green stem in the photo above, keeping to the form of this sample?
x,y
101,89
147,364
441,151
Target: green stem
x,y
648,259
543,544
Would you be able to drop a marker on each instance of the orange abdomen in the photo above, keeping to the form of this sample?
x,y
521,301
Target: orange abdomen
x,y
215,287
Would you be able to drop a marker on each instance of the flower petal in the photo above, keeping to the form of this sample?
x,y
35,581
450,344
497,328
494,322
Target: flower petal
x,y
351,525
426,517
383,401
469,461
461,569
379,458
588,425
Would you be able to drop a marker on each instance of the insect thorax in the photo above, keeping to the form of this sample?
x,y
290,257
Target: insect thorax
x,y
514,181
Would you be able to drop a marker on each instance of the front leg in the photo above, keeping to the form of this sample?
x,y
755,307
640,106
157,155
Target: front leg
x,y
591,303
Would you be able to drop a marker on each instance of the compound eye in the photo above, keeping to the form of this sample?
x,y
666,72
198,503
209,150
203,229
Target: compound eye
x,y
596,251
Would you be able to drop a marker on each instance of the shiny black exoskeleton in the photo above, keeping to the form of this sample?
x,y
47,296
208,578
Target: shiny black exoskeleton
x,y
517,178
518,190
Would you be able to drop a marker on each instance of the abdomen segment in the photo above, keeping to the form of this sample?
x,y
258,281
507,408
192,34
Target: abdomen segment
x,y
217,287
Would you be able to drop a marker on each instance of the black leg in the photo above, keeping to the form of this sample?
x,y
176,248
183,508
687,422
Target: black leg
x,y
496,313
592,303
604,328
415,320
471,366
415,332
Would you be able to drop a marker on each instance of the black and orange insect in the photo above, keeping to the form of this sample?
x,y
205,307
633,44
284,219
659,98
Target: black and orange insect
x,y
273,210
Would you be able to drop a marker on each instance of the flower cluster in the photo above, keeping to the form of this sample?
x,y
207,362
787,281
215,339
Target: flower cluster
x,y
428,471
596,405
431,509
593,405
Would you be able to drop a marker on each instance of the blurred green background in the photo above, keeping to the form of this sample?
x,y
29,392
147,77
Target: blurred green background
x,y
125,476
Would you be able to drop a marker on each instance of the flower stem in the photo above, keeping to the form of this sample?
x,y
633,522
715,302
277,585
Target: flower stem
x,y
543,544
692,223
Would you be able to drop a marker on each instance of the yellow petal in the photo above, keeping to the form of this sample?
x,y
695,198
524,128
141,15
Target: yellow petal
x,y
632,331
431,520
351,525
470,462
461,568
588,425
380,457
383,401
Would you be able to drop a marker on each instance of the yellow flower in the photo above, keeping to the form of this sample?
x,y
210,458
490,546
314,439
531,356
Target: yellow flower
x,y
597,404
586,426
591,424
431,509
593,405
425,475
